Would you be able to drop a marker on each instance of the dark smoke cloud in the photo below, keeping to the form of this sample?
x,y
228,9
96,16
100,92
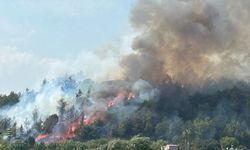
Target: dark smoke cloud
x,y
189,40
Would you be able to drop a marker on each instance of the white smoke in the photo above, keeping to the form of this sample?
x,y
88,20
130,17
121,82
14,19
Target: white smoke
x,y
45,100
94,98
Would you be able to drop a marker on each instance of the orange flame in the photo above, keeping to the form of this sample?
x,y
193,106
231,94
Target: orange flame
x,y
72,128
41,137
90,121
100,115
131,96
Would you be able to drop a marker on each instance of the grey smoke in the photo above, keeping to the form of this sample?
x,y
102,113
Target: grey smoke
x,y
189,40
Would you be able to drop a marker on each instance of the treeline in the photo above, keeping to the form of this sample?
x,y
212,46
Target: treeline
x,y
135,143
199,121
8,100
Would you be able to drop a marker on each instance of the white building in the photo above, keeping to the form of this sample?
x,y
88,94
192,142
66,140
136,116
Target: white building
x,y
170,147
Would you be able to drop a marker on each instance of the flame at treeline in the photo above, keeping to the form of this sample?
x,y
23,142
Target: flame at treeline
x,y
205,41
121,97
78,101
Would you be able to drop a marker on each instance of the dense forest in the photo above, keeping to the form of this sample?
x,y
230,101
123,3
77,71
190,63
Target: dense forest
x,y
200,120
137,75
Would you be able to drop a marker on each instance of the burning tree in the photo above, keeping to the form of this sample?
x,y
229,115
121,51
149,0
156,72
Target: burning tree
x,y
61,109
49,123
60,126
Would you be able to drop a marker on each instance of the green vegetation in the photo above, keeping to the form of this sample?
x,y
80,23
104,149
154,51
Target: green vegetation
x,y
202,121
135,143
8,100
49,123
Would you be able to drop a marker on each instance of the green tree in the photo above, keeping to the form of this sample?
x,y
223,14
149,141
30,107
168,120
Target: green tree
x,y
19,145
5,123
67,145
61,109
87,133
117,144
30,141
156,145
35,115
97,144
3,145
10,99
49,123
39,146
227,142
140,143
203,128
235,128
245,139
206,145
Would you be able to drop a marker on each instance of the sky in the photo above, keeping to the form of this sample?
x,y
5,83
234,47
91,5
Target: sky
x,y
44,39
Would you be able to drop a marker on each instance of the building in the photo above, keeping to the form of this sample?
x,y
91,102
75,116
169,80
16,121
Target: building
x,y
170,147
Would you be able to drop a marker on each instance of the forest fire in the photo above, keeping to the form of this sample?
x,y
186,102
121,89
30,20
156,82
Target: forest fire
x,y
91,120
50,138
180,77
131,96
72,127
122,96
86,120
41,137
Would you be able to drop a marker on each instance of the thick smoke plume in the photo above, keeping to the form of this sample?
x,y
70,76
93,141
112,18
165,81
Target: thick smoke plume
x,y
189,40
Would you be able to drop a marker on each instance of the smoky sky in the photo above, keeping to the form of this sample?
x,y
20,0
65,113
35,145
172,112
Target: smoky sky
x,y
189,40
